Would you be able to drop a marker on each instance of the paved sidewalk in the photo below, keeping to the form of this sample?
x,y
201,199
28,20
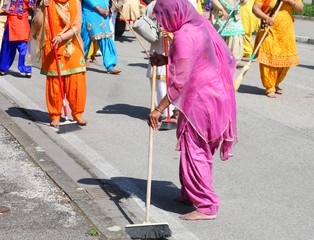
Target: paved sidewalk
x,y
38,201
304,30
32,205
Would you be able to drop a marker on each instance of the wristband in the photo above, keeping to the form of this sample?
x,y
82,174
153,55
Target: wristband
x,y
158,110
59,35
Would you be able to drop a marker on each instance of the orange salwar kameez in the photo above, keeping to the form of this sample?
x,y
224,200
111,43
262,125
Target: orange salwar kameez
x,y
66,16
278,51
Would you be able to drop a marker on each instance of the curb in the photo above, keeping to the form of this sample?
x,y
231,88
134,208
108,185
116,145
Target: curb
x,y
80,197
302,39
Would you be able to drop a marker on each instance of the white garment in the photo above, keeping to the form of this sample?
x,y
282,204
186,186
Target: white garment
x,y
158,47
193,2
112,23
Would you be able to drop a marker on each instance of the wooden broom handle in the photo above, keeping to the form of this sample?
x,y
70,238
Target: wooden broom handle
x,y
264,35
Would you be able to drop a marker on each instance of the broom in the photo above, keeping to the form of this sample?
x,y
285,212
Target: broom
x,y
67,125
239,79
168,123
148,230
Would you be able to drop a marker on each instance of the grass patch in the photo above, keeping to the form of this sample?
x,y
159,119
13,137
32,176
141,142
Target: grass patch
x,y
308,11
93,231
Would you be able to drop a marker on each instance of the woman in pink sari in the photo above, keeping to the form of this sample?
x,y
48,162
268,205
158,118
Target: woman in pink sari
x,y
201,70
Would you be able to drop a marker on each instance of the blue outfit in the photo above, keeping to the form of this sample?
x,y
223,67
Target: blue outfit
x,y
96,27
8,51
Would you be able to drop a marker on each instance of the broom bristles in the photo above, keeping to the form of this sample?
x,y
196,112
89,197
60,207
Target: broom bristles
x,y
148,230
68,126
239,79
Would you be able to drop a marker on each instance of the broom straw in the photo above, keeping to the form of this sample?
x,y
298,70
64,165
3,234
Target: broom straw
x,y
239,79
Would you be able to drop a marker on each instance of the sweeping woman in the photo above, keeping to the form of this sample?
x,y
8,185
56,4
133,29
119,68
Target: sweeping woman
x,y
66,21
278,51
201,70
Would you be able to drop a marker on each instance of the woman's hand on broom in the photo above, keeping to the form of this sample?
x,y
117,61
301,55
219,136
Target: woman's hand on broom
x,y
57,40
153,118
158,59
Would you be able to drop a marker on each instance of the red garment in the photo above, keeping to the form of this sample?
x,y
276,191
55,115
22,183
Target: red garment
x,y
19,28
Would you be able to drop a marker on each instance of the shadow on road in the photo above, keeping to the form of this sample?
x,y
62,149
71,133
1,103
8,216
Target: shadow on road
x,y
251,90
125,39
126,109
163,193
142,65
306,66
30,114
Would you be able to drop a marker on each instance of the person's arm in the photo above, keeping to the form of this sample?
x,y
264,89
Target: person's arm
x,y
93,4
156,113
74,30
257,10
217,5
296,5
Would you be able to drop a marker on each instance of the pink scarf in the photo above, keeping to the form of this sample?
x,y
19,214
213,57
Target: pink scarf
x,y
201,71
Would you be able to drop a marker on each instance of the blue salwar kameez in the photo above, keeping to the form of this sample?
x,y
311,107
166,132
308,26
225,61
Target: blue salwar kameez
x,y
96,27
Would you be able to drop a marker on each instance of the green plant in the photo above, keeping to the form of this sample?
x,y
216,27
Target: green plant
x,y
308,11
93,231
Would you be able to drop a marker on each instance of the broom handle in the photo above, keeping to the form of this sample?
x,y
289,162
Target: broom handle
x,y
167,73
262,39
239,79
132,30
57,64
150,150
225,24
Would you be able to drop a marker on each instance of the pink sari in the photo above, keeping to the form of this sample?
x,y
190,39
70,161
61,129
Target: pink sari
x,y
201,71
201,68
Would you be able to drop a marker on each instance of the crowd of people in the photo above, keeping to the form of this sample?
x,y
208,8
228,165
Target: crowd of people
x,y
203,57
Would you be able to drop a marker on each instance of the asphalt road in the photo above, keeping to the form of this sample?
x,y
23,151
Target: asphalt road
x,y
265,190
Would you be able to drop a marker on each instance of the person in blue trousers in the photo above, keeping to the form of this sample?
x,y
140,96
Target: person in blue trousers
x,y
16,37
96,26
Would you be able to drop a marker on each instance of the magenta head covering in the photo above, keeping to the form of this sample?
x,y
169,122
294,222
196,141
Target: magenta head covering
x,y
171,15
201,71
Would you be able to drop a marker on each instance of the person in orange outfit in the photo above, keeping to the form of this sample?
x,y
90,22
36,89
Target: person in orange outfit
x,y
67,20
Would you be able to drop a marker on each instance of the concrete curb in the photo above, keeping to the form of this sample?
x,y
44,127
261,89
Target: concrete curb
x,y
84,201
302,39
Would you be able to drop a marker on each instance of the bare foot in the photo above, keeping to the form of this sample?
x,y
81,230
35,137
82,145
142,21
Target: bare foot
x,y
278,90
114,71
271,95
55,123
81,122
195,215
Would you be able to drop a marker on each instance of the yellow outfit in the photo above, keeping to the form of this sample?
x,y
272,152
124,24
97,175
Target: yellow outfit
x,y
199,7
278,51
250,24
94,47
